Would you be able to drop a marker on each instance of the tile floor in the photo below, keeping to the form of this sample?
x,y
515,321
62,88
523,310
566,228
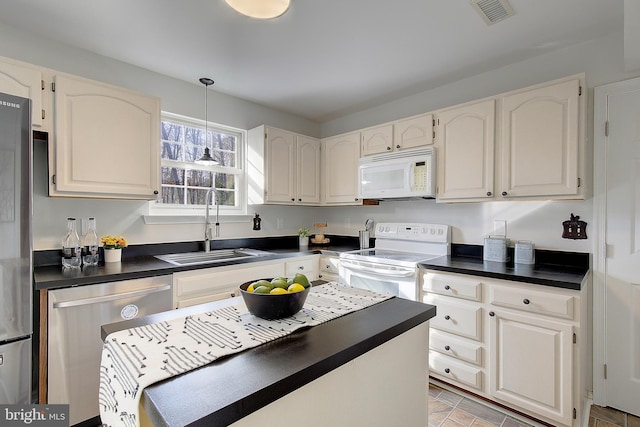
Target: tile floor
x,y
608,417
449,409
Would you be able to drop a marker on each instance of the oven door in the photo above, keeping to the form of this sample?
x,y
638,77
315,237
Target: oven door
x,y
382,278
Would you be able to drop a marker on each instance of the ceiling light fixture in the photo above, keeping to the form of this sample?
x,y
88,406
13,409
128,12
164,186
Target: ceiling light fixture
x,y
260,9
206,158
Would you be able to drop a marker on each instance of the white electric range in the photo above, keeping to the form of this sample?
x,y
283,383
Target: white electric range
x,y
392,266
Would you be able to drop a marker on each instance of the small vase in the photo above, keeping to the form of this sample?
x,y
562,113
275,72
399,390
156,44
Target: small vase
x,y
112,255
304,241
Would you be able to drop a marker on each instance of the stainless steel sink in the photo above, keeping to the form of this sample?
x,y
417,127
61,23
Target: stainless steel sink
x,y
193,258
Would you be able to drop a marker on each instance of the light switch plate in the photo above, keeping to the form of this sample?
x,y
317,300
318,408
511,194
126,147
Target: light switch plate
x,y
499,227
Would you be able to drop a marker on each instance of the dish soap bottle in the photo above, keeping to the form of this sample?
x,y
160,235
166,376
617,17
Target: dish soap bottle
x,y
90,245
71,250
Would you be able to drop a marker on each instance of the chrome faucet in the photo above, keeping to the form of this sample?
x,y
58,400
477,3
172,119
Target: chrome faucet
x,y
207,225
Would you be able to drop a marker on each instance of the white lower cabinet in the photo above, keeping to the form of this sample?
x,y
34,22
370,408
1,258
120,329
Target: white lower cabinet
x,y
532,364
304,265
521,345
329,267
215,283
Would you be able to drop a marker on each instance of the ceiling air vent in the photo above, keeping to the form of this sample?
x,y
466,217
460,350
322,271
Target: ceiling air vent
x,y
492,11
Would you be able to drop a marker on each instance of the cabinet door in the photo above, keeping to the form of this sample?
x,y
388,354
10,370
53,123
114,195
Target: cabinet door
x,y
308,170
107,141
377,140
25,81
531,364
540,132
466,151
413,132
280,167
340,169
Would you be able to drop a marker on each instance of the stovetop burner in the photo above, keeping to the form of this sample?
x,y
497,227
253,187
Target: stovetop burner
x,y
405,244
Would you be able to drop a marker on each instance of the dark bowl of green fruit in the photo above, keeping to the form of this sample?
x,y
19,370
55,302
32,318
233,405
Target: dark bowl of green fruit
x,y
277,297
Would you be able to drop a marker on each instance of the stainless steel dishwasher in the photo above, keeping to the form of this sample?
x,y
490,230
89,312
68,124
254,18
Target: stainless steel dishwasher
x,y
75,316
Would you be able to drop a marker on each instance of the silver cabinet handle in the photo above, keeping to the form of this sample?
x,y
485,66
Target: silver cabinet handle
x,y
111,297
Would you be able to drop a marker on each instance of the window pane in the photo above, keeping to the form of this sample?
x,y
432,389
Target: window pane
x,y
222,141
227,198
173,195
198,178
173,176
171,132
172,151
196,196
225,180
224,158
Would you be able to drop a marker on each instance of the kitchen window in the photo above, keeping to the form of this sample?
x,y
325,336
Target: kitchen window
x,y
184,183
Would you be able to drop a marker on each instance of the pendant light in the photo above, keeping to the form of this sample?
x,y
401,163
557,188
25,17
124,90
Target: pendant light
x,y
260,9
206,158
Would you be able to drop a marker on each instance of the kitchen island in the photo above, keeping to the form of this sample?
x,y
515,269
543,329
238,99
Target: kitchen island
x,y
364,368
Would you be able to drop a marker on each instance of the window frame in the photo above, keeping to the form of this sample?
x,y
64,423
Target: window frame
x,y
157,208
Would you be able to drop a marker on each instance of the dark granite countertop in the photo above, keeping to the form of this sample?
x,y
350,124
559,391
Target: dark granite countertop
x,y
566,270
230,388
140,262
552,268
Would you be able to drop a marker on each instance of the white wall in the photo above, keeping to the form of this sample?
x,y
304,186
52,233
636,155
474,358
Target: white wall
x,y
540,222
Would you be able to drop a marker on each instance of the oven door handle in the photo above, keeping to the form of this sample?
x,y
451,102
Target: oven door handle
x,y
369,268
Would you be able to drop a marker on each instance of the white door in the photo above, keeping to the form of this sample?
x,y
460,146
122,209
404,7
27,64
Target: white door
x,y
622,238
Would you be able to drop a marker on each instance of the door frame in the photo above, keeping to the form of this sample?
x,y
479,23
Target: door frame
x,y
600,117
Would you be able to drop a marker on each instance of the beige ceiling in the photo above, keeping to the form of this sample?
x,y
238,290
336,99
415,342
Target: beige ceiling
x,y
323,58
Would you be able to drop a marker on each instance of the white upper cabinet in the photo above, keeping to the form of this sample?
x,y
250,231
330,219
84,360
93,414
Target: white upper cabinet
x,y
340,156
540,132
308,162
280,166
106,142
525,144
25,80
377,140
291,166
411,132
466,151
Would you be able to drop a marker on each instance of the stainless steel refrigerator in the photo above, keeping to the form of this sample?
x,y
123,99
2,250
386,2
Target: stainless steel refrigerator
x,y
15,250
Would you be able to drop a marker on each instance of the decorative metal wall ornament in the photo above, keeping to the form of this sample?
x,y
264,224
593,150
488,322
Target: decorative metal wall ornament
x,y
574,228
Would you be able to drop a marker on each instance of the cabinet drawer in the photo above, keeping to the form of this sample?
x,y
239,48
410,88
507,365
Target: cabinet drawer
x,y
208,298
533,301
453,285
329,264
451,369
459,348
455,316
307,266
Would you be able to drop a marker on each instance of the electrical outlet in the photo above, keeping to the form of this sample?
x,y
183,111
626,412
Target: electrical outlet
x,y
500,227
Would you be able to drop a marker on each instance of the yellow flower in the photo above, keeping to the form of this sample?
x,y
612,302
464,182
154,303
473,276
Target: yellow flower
x,y
113,242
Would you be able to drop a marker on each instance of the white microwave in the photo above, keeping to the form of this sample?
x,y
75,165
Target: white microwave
x,y
398,175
